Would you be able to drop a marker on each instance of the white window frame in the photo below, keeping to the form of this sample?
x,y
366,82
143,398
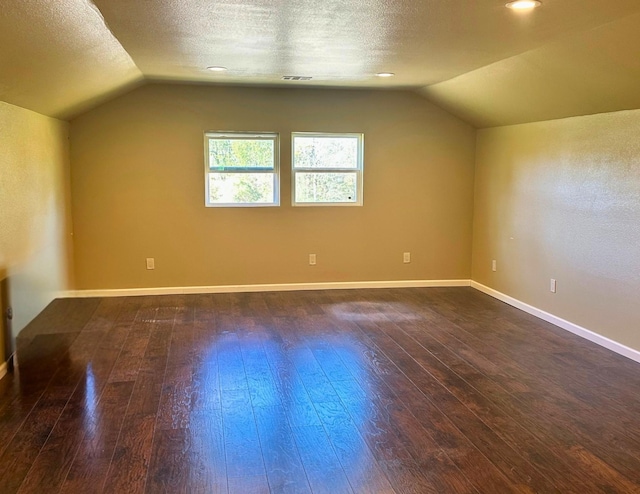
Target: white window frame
x,y
267,136
359,170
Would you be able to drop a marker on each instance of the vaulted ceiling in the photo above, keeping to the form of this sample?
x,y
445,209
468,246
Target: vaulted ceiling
x,y
483,62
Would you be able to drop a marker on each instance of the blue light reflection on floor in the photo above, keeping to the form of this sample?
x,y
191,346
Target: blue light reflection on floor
x,y
266,382
90,400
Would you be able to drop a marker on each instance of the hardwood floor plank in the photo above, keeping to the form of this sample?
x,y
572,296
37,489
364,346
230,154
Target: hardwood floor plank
x,y
514,331
323,469
426,470
241,441
551,398
60,316
249,485
283,465
433,423
131,457
205,390
23,449
52,458
130,358
29,382
434,390
296,402
491,414
352,451
207,456
170,461
93,457
423,448
503,407
509,460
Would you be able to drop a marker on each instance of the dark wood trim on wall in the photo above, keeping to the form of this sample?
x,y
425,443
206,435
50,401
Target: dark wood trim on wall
x,y
6,314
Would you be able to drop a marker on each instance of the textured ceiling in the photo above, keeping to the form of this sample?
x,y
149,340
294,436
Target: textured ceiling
x,y
483,62
338,42
57,57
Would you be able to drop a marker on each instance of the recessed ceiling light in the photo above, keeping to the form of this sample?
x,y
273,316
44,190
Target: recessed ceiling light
x,y
524,4
217,68
385,74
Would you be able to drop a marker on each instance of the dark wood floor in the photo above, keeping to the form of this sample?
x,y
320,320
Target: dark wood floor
x,y
367,391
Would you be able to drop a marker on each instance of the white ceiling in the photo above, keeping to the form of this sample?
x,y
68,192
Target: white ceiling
x,y
481,61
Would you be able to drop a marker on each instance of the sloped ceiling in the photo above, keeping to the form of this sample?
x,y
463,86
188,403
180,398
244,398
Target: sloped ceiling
x,y
483,62
588,72
58,57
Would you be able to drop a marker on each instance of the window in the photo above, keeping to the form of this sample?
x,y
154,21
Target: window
x,y
327,169
241,169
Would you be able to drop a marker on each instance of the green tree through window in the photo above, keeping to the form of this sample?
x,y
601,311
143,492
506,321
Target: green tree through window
x,y
327,169
242,169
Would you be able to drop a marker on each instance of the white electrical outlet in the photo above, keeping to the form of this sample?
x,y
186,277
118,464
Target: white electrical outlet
x,y
406,257
552,286
494,265
312,259
151,263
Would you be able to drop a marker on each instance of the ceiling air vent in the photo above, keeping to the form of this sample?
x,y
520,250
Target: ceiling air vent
x,y
296,78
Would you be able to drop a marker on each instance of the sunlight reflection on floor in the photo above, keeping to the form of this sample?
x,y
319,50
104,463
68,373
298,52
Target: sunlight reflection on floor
x,y
374,311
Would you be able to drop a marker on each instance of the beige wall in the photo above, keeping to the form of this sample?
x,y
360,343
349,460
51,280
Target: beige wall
x,y
138,191
35,242
561,200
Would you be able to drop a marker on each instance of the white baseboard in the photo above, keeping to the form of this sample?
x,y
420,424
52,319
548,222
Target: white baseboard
x,y
562,323
3,369
281,287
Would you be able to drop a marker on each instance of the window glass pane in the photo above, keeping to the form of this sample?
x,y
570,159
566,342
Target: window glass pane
x,y
326,187
240,153
325,152
243,188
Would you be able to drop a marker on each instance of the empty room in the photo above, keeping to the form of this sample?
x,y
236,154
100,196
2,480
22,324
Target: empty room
x,y
383,246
